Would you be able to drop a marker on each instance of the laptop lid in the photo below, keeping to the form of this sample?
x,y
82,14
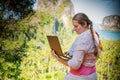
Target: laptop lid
x,y
55,44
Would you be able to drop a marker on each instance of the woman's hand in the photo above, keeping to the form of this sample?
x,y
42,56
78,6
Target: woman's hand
x,y
53,54
58,58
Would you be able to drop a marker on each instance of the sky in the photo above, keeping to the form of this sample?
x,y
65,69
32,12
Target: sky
x,y
97,9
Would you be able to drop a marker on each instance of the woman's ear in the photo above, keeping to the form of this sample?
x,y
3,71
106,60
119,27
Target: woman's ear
x,y
85,24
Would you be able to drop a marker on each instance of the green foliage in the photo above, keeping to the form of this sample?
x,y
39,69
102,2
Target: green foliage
x,y
24,50
108,65
20,8
45,18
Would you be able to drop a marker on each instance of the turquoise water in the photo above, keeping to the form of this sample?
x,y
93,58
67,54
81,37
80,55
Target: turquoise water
x,y
113,35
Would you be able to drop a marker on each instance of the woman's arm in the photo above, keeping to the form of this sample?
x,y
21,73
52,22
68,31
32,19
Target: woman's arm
x,y
59,59
73,63
77,59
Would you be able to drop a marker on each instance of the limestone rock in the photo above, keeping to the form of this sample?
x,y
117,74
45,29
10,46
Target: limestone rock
x,y
111,22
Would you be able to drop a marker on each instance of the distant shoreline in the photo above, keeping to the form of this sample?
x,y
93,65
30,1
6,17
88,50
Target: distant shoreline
x,y
107,34
101,27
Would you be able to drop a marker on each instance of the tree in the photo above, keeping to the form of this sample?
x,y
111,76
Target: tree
x,y
15,8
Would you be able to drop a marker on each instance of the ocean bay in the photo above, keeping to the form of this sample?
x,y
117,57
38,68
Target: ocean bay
x,y
107,34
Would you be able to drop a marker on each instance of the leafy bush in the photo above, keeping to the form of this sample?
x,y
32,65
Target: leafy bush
x,y
108,65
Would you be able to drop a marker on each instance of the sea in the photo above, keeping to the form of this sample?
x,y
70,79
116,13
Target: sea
x,y
107,34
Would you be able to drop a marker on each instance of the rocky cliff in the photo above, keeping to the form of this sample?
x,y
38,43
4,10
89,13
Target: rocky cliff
x,y
62,10
111,22
56,6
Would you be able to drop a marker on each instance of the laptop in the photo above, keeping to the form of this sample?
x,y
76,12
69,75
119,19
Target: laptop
x,y
55,45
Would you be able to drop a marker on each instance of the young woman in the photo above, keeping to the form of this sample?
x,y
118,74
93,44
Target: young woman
x,y
84,51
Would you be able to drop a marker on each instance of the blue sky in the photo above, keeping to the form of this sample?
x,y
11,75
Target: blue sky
x,y
97,9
